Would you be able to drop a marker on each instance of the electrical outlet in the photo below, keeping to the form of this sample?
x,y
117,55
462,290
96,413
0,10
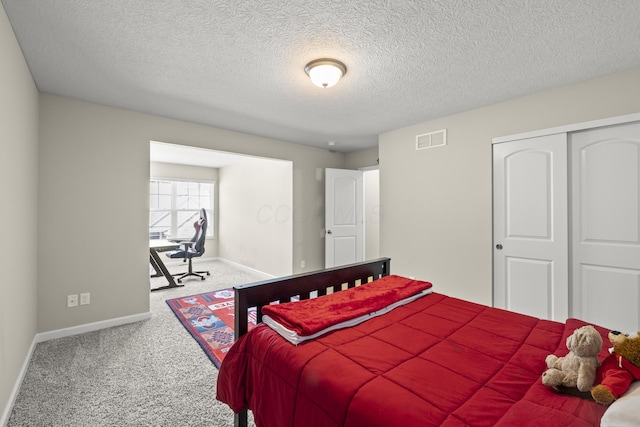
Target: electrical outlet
x,y
72,300
85,298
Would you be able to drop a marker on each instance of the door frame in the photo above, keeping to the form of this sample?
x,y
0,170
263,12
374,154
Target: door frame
x,y
570,128
352,211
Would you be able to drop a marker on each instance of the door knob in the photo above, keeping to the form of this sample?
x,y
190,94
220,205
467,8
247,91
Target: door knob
x,y
499,247
329,232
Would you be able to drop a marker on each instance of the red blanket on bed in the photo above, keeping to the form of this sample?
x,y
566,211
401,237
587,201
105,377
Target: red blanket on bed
x,y
344,305
438,361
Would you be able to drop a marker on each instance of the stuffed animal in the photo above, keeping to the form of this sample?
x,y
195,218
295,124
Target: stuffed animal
x,y
619,369
578,367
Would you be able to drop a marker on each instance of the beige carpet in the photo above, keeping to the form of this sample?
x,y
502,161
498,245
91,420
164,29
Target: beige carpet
x,y
149,373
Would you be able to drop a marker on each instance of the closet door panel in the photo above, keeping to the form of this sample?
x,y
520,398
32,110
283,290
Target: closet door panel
x,y
609,192
530,226
530,286
610,296
606,225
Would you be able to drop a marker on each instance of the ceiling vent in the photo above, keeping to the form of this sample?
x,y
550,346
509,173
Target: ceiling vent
x,y
431,140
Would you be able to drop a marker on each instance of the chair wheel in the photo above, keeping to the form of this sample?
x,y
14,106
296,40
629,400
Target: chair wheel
x,y
179,280
208,274
202,278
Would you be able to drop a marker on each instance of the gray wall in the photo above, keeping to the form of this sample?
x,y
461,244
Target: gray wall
x,y
436,203
93,187
19,213
363,158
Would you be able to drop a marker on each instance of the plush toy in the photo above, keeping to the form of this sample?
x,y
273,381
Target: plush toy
x,y
578,368
619,369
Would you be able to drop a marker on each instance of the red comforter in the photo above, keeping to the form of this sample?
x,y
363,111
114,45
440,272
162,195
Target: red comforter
x,y
436,361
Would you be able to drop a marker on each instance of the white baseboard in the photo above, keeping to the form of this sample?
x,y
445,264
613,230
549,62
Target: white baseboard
x,y
244,267
89,327
16,387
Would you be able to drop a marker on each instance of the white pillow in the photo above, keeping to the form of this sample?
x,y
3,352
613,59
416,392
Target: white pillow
x,y
624,411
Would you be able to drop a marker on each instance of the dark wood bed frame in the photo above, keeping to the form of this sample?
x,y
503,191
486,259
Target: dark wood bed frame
x,y
302,286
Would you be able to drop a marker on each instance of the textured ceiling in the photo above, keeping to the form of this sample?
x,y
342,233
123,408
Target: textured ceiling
x,y
239,64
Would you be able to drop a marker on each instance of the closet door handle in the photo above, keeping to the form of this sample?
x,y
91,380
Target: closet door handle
x,y
499,247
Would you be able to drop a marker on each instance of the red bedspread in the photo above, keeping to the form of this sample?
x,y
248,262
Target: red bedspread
x,y
436,361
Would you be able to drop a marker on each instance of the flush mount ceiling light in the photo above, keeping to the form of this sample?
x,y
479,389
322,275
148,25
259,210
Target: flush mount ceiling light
x,y
325,72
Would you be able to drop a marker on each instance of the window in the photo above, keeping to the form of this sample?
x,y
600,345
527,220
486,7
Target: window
x,y
174,206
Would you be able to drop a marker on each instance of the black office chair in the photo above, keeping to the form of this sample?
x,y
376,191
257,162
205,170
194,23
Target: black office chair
x,y
192,248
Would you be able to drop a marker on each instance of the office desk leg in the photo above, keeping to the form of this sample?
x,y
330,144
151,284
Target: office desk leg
x,y
157,264
156,268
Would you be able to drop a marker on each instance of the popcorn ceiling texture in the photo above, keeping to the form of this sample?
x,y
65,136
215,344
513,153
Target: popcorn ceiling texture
x,y
239,64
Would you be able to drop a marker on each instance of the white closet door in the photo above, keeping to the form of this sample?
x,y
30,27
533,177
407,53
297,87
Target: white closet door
x,y
606,226
530,226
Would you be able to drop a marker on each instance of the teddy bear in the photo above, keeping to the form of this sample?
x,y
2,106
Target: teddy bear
x,y
578,367
619,369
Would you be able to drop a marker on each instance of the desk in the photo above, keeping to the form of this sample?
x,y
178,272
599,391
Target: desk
x,y
160,269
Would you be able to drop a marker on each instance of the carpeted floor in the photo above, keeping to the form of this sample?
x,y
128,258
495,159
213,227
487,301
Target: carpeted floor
x,y
150,373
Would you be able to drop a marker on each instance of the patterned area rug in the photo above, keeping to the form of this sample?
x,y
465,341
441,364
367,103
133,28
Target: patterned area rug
x,y
209,319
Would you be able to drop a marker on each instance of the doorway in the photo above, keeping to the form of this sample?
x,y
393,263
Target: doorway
x,y
247,227
352,215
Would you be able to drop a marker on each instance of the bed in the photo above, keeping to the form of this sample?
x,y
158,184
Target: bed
x,y
435,360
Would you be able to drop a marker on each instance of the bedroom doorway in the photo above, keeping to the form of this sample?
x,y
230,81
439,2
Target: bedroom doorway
x,y
344,217
352,216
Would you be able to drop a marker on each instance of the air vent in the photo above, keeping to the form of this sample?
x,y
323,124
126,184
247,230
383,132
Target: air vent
x,y
431,140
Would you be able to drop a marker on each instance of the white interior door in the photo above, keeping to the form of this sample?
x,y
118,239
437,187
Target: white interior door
x,y
344,227
530,226
606,226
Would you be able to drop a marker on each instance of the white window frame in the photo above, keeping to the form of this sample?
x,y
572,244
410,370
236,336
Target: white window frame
x,y
174,210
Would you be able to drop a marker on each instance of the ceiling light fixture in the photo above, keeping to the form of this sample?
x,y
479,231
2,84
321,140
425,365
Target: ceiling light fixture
x,y
325,72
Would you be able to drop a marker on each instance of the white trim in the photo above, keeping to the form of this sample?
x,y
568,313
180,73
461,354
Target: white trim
x,y
16,386
90,327
570,128
244,267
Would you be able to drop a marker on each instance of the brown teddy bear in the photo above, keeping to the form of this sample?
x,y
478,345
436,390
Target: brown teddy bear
x,y
578,367
619,369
